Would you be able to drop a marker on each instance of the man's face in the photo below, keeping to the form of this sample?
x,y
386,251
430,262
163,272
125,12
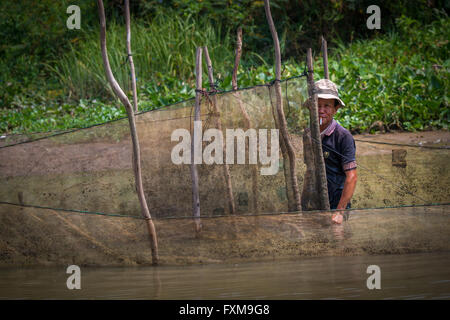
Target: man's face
x,y
327,110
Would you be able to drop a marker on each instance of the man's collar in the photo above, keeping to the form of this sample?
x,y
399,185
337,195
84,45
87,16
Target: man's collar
x,y
329,130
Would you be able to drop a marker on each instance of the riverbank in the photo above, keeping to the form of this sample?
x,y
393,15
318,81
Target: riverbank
x,y
91,171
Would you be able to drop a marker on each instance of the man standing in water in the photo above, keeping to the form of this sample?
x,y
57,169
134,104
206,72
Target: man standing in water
x,y
338,148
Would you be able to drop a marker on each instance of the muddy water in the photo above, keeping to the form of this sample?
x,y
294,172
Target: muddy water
x,y
412,276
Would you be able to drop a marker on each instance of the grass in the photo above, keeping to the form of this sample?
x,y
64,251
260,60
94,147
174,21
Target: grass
x,y
398,80
163,49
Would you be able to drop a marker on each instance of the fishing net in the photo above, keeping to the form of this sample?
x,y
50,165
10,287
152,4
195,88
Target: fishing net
x,y
45,236
75,182
91,169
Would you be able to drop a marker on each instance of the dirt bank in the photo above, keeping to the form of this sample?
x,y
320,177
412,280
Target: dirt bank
x,y
92,172
106,155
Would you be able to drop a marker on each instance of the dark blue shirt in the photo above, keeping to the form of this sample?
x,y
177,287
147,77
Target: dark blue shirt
x,y
339,150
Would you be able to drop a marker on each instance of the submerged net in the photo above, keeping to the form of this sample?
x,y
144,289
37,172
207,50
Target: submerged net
x,y
90,171
44,236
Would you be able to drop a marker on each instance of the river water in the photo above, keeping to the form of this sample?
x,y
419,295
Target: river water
x,y
406,276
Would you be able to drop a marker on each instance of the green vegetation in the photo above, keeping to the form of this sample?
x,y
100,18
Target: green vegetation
x,y
53,79
400,79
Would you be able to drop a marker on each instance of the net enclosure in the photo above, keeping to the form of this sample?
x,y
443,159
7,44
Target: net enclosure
x,y
91,170
88,172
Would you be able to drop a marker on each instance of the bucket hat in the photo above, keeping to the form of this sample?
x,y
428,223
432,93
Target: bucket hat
x,y
327,89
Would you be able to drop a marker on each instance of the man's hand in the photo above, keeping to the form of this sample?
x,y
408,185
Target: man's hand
x,y
337,218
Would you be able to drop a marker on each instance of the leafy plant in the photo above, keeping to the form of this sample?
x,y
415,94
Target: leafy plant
x,y
399,79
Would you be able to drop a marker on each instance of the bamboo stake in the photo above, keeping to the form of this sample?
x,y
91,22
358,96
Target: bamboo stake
x,y
315,135
248,123
280,111
134,136
226,168
325,58
237,58
310,199
130,57
287,178
194,172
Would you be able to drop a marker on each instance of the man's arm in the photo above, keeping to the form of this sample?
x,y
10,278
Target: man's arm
x,y
349,188
347,193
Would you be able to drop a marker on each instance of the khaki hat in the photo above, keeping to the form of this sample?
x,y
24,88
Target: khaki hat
x,y
326,89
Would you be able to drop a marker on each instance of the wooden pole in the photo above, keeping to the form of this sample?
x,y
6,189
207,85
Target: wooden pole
x,y
310,196
237,58
248,123
226,168
234,84
195,139
286,170
280,111
130,57
315,137
325,58
134,137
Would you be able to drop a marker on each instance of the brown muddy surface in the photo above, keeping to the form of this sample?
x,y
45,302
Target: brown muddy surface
x,y
100,156
91,171
404,276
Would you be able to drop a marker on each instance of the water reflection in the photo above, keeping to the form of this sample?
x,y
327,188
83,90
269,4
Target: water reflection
x,y
338,231
157,282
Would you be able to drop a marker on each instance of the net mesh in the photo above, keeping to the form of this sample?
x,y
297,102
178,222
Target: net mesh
x,y
90,171
44,236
